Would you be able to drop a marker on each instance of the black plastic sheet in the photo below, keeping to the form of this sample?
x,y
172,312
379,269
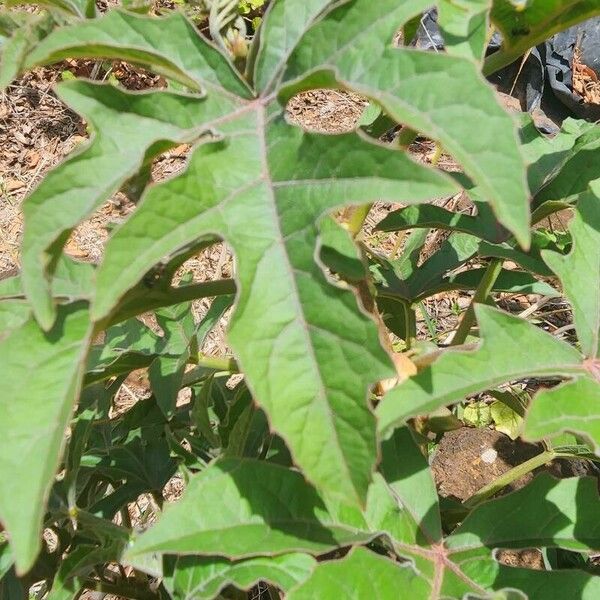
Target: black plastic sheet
x,y
544,76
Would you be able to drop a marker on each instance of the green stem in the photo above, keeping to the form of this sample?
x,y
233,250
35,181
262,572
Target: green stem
x,y
410,320
217,363
501,59
509,477
437,154
481,294
157,298
406,137
514,474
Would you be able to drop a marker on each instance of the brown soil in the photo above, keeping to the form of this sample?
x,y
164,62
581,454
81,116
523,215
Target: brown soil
x,y
468,459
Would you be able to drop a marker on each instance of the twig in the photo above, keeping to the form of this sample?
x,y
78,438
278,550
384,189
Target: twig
x,y
481,294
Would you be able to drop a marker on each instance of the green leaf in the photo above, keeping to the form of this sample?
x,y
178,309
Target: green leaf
x,y
309,334
407,473
431,276
169,46
547,512
283,514
13,313
550,585
19,33
350,47
576,170
385,513
527,23
362,574
546,156
202,578
431,216
167,371
127,346
283,26
339,252
506,420
72,281
127,126
477,414
515,282
464,27
70,578
40,375
573,406
504,355
579,271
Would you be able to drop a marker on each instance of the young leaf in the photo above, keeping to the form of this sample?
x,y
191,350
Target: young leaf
x,y
362,574
202,578
284,24
407,473
350,47
40,377
283,514
504,355
166,372
579,271
464,26
547,512
573,406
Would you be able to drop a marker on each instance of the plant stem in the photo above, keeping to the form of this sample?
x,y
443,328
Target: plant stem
x,y
481,294
217,363
437,154
157,298
410,320
406,137
509,477
515,473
